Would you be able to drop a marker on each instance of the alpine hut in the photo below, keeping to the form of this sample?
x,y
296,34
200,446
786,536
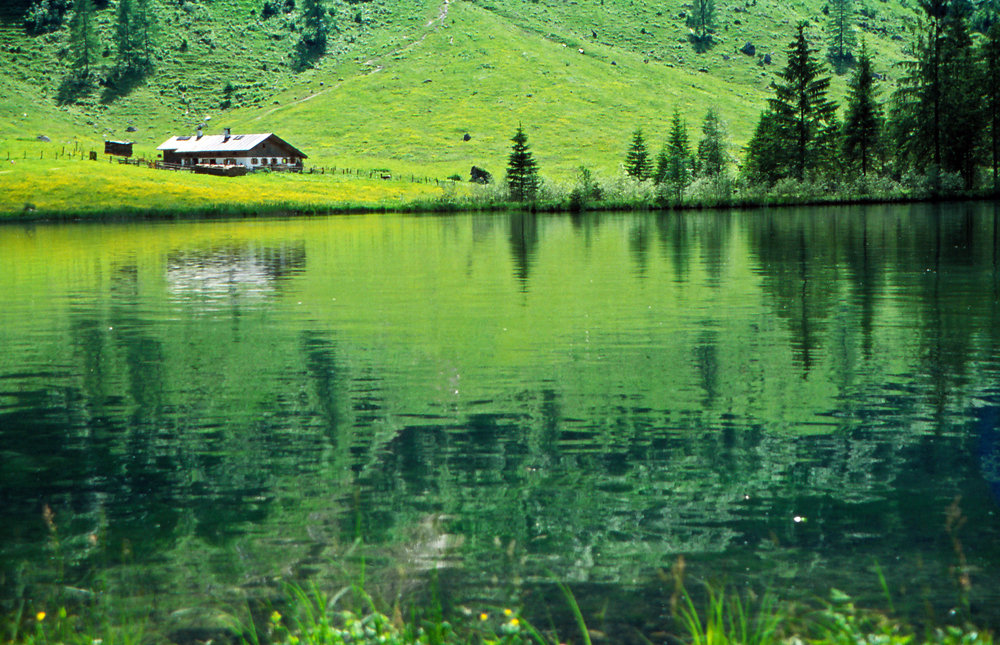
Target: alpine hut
x,y
248,150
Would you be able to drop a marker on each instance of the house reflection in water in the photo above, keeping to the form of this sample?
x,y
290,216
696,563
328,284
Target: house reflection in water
x,y
223,274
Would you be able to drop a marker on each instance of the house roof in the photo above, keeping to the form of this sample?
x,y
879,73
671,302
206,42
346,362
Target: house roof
x,y
221,143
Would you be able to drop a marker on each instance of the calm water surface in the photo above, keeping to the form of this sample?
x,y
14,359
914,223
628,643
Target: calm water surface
x,y
792,399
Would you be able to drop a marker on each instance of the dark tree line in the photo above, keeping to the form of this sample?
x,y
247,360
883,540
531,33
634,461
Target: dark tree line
x,y
943,120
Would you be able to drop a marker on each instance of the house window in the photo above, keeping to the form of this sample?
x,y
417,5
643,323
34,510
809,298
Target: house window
x,y
284,160
273,161
253,162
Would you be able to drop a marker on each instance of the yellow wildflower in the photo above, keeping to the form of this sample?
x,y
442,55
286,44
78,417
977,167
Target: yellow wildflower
x,y
483,616
40,616
275,617
507,612
514,622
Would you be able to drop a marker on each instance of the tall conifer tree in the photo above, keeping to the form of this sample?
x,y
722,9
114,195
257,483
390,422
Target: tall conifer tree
x,y
863,123
126,38
918,101
702,19
805,116
936,115
841,37
84,44
316,28
961,117
147,28
675,162
990,55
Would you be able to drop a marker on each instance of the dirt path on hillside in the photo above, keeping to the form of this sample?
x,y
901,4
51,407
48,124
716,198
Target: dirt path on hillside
x,y
432,25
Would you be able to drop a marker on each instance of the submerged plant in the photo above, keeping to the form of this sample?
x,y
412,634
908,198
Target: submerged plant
x,y
730,620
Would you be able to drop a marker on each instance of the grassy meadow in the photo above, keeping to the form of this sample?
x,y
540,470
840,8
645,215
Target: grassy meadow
x,y
403,82
34,188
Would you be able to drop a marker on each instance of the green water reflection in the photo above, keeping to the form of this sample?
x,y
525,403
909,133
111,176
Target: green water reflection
x,y
783,397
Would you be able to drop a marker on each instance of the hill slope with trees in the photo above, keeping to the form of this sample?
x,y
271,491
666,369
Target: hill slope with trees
x,y
399,83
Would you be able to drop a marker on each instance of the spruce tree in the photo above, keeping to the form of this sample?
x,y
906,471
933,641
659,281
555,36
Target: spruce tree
x,y
147,29
675,162
805,116
702,19
841,37
316,27
126,38
84,44
917,108
637,161
863,123
961,118
522,171
937,117
712,158
767,158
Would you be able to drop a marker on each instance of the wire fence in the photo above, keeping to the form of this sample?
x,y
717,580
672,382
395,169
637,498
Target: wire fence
x,y
78,152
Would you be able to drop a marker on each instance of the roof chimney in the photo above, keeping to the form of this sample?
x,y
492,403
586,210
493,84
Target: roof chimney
x,y
226,132
199,131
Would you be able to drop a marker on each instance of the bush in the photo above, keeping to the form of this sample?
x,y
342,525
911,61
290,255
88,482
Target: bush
x,y
269,10
710,191
624,189
480,176
932,181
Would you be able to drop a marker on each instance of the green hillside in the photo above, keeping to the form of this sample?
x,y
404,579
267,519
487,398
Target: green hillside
x,y
403,81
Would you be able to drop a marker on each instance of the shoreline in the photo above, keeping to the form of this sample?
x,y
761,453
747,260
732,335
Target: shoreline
x,y
231,211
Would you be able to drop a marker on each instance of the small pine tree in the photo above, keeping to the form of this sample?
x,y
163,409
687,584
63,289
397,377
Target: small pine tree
x,y
84,43
522,170
863,124
712,158
637,161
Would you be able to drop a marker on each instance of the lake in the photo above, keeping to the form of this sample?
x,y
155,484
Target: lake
x,y
479,405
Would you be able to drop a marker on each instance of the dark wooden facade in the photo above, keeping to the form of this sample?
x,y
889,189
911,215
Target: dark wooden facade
x,y
118,148
248,150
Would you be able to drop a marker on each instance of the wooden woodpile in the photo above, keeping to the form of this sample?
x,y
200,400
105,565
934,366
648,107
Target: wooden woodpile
x,y
221,171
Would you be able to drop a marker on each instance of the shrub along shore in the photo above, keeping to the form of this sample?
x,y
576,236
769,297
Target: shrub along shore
x,y
48,190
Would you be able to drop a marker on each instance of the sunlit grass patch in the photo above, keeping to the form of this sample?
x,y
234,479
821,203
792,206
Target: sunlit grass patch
x,y
88,188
